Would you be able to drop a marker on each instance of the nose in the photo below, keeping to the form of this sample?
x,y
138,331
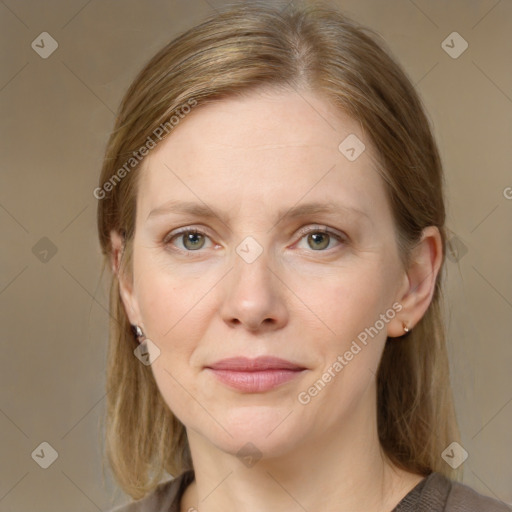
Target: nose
x,y
254,296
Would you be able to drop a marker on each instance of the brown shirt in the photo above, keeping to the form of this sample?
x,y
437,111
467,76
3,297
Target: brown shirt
x,y
435,493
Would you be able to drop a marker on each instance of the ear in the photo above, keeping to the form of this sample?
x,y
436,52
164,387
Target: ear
x,y
419,281
125,281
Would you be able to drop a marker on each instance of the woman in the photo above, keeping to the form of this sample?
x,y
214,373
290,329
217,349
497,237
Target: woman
x,y
271,204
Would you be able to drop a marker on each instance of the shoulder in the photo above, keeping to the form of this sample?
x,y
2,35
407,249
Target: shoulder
x,y
166,496
462,498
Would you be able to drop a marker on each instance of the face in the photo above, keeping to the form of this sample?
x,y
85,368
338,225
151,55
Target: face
x,y
261,273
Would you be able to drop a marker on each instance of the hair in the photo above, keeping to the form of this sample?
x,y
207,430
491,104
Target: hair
x,y
313,47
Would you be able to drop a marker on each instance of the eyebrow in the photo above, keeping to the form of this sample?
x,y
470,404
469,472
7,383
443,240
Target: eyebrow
x,y
301,210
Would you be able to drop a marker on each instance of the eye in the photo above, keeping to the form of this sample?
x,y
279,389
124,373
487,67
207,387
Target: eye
x,y
192,239
319,238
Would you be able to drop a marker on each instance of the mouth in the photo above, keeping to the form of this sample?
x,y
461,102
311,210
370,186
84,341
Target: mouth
x,y
254,375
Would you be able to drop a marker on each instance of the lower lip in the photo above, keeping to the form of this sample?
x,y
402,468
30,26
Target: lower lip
x,y
255,381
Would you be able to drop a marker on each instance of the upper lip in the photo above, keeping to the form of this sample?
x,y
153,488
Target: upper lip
x,y
245,364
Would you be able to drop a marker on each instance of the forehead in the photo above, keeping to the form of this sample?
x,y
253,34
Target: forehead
x,y
271,147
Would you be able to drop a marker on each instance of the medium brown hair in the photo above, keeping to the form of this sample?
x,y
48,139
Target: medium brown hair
x,y
307,46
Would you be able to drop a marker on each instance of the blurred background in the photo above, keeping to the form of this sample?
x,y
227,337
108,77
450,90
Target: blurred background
x,y
65,66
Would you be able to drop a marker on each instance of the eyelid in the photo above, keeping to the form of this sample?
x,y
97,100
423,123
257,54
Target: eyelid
x,y
315,228
312,228
185,229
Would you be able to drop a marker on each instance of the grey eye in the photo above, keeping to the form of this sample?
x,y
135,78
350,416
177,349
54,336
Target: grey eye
x,y
193,240
319,240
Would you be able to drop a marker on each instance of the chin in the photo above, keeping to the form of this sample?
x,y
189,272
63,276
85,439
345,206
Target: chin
x,y
260,431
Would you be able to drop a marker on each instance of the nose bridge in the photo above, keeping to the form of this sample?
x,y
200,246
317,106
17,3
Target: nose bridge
x,y
251,279
252,295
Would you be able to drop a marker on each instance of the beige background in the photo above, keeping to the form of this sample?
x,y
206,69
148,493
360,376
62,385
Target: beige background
x,y
56,114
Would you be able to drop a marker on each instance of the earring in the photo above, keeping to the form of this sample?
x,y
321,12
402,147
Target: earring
x,y
139,333
406,329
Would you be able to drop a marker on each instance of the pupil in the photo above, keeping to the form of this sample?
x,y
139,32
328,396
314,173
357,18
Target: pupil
x,y
315,238
193,239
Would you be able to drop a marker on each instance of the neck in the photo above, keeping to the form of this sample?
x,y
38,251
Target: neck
x,y
343,469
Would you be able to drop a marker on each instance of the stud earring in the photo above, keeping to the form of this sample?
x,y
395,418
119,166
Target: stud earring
x,y
406,329
139,333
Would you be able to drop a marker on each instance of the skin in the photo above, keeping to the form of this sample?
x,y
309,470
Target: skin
x,y
302,299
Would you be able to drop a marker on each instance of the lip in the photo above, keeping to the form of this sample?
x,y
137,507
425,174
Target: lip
x,y
245,364
254,375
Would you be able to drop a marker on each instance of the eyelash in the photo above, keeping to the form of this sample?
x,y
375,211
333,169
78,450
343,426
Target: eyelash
x,y
302,232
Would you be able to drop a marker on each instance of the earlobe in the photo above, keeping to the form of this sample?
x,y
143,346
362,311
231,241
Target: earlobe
x,y
419,281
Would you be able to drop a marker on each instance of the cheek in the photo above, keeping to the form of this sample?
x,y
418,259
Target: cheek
x,y
352,302
167,299
171,321
352,347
